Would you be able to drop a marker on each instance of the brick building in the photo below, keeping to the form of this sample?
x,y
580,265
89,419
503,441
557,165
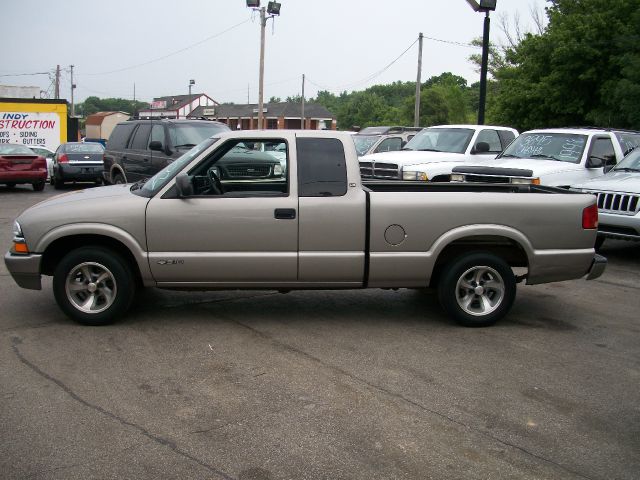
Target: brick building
x,y
280,115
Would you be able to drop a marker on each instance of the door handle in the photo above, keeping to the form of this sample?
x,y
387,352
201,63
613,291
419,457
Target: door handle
x,y
285,213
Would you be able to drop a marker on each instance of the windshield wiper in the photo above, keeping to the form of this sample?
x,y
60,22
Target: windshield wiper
x,y
627,169
190,145
138,184
429,150
548,157
509,155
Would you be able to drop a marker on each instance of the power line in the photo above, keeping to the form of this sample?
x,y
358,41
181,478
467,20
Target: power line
x,y
23,74
370,77
169,54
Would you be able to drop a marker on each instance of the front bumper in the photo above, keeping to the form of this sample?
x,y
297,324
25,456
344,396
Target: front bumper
x,y
598,265
80,172
25,269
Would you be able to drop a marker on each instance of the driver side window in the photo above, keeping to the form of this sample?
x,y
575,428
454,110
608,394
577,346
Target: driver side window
x,y
247,168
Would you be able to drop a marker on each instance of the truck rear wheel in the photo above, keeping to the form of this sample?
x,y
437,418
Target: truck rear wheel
x,y
93,285
477,289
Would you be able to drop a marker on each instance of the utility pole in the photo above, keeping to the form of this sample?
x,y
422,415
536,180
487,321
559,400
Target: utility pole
x,y
73,86
248,86
302,113
416,113
57,83
263,25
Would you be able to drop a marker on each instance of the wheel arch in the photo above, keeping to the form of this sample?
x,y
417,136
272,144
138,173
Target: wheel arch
x,y
504,242
59,242
115,169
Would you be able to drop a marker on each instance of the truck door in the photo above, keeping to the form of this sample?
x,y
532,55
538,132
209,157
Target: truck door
x,y
239,229
332,213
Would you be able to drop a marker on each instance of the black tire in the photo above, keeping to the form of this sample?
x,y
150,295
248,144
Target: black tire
x,y
11,185
107,299
487,304
58,183
118,179
38,186
599,241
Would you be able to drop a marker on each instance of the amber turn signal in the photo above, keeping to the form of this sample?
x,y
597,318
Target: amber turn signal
x,y
20,247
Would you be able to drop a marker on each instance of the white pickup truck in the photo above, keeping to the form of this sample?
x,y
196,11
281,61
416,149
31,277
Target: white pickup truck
x,y
434,151
557,157
217,219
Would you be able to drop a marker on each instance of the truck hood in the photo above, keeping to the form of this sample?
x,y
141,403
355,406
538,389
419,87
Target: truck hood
x,y
412,157
537,167
627,182
115,206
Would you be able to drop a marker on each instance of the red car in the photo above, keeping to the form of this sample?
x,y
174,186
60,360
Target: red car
x,y
18,164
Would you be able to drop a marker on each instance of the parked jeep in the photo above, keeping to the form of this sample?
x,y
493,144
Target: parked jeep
x,y
138,149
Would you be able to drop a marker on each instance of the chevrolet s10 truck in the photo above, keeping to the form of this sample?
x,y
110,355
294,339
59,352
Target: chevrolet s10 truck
x,y
314,227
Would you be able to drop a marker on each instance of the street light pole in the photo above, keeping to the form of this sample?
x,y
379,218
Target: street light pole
x,y
191,83
263,24
273,9
485,6
484,68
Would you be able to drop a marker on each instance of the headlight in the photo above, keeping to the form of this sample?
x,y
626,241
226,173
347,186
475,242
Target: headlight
x,y
17,230
19,245
277,170
457,177
526,181
420,176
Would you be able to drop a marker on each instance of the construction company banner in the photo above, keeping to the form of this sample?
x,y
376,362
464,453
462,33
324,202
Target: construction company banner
x,y
33,129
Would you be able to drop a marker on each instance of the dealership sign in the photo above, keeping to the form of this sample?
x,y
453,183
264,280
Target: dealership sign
x,y
30,129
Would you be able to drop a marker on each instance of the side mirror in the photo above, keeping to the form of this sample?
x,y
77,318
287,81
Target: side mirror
x,y
608,167
184,185
157,146
481,147
595,162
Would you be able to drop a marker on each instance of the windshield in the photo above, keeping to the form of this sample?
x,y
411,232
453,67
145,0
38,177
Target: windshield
x,y
563,147
160,179
628,141
191,134
631,161
8,149
364,143
451,140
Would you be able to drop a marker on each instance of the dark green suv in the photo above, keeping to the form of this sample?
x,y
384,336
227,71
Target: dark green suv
x,y
137,149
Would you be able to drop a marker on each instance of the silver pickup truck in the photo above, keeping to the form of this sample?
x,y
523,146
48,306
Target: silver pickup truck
x,y
313,226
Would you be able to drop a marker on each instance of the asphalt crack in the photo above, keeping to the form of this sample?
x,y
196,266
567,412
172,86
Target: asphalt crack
x,y
401,397
16,341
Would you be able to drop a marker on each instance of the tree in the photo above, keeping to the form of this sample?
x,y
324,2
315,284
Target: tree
x,y
582,70
275,100
94,104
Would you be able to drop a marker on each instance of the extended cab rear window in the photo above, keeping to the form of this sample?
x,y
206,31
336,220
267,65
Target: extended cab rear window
x,y
322,167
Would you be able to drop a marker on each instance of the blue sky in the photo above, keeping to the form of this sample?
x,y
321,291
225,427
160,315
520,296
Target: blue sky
x,y
338,44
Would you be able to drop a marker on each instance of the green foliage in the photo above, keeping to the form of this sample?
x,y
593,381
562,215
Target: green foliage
x,y
583,70
94,104
275,100
444,99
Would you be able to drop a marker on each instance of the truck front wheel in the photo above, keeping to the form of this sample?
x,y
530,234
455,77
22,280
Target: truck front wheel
x,y
93,285
477,289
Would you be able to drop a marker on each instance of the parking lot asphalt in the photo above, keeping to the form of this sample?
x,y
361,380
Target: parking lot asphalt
x,y
371,384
